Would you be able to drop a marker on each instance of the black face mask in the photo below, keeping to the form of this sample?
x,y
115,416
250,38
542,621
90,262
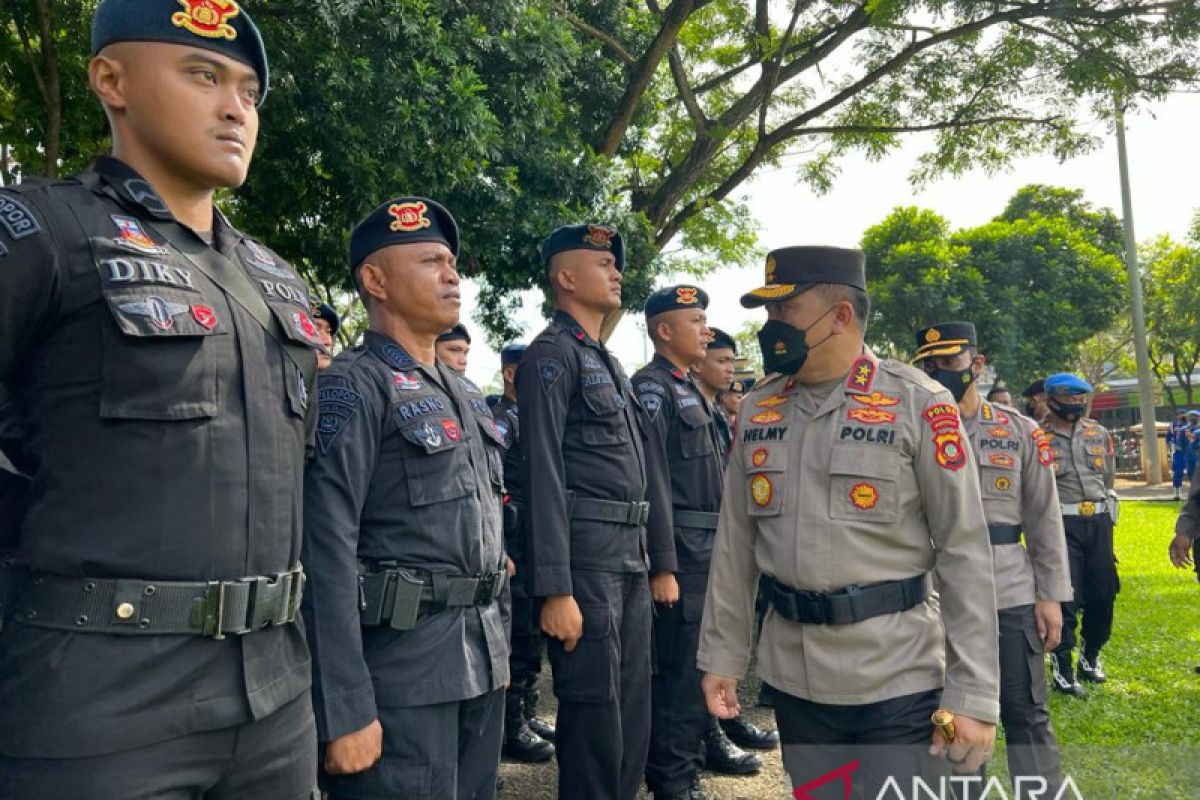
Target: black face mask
x,y
1067,412
785,347
956,380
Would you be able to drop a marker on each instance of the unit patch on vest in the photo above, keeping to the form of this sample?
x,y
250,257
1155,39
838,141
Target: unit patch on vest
x,y
132,237
16,218
549,371
864,496
336,405
761,490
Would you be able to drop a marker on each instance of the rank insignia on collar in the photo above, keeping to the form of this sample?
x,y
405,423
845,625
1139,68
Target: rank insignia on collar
x,y
985,411
133,237
864,496
409,217
161,313
599,236
861,374
207,18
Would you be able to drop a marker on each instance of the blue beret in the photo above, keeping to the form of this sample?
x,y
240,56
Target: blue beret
x,y
585,237
329,314
1194,411
511,354
722,339
675,298
221,26
404,220
459,331
1067,383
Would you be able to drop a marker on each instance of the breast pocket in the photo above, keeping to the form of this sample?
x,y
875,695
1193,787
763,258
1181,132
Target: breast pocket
x,y
160,354
605,424
493,443
435,468
766,487
694,438
864,485
998,483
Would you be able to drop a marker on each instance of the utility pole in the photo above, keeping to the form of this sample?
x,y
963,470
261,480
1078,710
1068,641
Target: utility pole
x,y
1141,352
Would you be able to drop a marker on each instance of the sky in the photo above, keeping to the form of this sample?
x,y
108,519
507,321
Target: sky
x,y
1164,176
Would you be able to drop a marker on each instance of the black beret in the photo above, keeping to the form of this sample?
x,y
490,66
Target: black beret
x,y
748,383
675,298
722,339
791,270
585,237
1037,387
459,331
403,220
221,26
944,339
326,312
511,354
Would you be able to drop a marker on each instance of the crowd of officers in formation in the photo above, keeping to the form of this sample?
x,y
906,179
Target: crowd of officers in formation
x,y
897,544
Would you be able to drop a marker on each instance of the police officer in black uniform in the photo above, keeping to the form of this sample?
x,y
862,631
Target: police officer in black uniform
x,y
325,317
526,738
453,346
582,447
162,362
402,526
713,375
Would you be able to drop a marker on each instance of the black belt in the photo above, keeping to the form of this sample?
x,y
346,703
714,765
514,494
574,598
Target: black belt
x,y
706,520
399,596
633,512
844,606
127,606
1004,534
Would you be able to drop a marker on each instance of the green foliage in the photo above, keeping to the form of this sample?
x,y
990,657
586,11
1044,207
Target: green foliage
x,y
1035,286
1172,273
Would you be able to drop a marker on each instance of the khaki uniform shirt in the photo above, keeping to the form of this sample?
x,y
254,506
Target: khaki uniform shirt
x,y
1016,479
1085,465
876,484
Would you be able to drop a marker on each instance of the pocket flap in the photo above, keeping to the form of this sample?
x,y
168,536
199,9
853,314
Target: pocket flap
x,y
869,461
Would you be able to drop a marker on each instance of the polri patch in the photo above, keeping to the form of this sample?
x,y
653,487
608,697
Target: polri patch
x,y
16,218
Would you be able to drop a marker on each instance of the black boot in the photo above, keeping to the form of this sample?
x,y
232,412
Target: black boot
x,y
520,743
1090,669
539,726
723,756
745,734
1062,677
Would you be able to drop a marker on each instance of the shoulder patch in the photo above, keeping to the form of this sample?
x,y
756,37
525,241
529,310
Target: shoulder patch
x,y
943,419
650,386
16,218
336,405
549,370
652,403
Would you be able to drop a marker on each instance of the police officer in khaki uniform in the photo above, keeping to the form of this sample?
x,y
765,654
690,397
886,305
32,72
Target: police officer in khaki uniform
x,y
1085,468
402,527
582,447
162,362
1019,497
851,488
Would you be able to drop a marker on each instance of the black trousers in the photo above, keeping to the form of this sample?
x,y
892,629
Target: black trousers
x,y
528,644
434,752
274,758
603,688
1094,579
866,747
1032,747
678,710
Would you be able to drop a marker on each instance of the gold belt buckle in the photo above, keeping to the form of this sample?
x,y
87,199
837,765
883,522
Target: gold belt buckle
x,y
1087,508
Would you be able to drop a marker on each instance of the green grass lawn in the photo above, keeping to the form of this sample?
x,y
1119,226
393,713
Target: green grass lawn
x,y
1138,735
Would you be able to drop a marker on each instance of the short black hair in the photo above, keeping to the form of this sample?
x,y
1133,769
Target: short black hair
x,y
856,297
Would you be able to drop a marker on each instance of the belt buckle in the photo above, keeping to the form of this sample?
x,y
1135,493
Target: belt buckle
x,y
639,512
1087,508
485,589
212,618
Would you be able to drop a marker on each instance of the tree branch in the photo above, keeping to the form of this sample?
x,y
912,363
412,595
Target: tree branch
x,y
676,15
774,67
679,75
607,38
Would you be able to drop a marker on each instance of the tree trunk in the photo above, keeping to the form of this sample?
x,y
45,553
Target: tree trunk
x,y
53,143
